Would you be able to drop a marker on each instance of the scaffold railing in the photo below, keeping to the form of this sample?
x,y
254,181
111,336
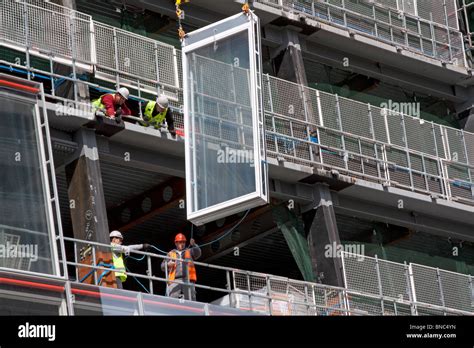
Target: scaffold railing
x,y
303,125
418,284
429,28
314,128
373,286
57,34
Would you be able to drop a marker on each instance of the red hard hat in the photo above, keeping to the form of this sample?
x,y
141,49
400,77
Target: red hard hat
x,y
180,238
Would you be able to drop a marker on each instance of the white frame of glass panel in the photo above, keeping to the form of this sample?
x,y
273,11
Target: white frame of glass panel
x,y
260,196
50,220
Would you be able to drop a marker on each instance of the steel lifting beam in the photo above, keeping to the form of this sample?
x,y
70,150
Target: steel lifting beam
x,y
261,217
158,199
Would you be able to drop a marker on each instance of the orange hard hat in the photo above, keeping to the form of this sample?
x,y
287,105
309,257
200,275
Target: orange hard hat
x,y
180,238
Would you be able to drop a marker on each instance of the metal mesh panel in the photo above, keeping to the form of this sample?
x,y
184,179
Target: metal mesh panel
x,y
365,305
360,24
12,23
378,121
401,19
50,28
394,280
399,171
329,110
469,139
361,274
355,117
420,136
287,98
312,105
104,41
426,285
457,291
456,145
136,55
434,10
395,128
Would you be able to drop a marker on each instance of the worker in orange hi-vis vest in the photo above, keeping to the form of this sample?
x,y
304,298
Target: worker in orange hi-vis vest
x,y
182,271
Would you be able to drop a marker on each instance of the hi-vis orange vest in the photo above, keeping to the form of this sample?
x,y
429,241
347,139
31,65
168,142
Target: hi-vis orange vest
x,y
190,265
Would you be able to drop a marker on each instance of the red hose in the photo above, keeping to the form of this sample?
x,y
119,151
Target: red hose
x,y
28,284
19,86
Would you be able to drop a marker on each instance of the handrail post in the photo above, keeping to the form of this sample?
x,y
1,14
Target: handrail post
x,y
150,273
269,294
94,262
379,283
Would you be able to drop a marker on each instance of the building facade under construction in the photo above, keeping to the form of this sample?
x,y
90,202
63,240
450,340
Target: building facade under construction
x,y
321,157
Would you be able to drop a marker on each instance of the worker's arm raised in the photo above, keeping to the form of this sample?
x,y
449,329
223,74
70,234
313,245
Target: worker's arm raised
x,y
195,250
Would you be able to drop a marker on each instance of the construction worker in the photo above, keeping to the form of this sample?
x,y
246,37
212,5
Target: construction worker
x,y
183,271
155,112
118,250
113,105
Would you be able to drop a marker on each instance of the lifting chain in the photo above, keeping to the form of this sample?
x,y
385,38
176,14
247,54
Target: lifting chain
x,y
180,16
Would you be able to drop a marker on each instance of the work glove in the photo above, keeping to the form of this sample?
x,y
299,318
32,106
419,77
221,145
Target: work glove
x,y
172,132
118,115
146,247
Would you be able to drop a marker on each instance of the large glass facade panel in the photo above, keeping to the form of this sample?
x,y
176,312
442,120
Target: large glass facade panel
x,y
223,119
25,241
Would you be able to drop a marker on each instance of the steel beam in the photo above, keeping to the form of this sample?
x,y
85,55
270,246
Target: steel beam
x,y
403,217
441,88
148,204
321,226
247,232
85,190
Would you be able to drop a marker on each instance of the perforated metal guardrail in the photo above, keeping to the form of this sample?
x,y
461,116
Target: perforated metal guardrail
x,y
426,27
62,35
417,284
303,125
314,128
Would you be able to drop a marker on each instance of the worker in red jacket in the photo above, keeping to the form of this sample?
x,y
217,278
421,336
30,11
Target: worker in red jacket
x,y
113,105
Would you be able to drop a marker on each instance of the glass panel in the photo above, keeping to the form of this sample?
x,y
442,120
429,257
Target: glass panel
x,y
95,300
222,122
159,305
30,296
24,230
224,119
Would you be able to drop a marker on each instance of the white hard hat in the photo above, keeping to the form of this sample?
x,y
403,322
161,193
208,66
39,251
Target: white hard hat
x,y
162,101
116,234
123,92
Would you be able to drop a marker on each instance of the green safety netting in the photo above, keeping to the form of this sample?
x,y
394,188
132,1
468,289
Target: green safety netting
x,y
293,230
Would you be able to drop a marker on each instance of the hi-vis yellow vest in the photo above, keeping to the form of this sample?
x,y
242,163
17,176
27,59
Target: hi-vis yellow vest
x,y
97,104
149,109
119,265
